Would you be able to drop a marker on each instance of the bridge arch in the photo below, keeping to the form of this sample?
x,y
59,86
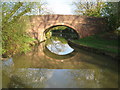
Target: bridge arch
x,y
83,25
47,29
61,24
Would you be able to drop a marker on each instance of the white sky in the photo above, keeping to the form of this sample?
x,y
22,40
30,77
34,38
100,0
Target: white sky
x,y
64,6
60,6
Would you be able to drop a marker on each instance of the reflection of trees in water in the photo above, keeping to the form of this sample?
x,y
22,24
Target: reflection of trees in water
x,y
36,78
24,77
86,78
42,58
58,45
93,78
53,40
8,66
30,78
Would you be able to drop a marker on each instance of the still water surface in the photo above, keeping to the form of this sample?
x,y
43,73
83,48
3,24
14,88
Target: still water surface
x,y
55,64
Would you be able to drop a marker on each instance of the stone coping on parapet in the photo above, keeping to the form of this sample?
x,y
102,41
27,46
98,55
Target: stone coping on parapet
x,y
67,15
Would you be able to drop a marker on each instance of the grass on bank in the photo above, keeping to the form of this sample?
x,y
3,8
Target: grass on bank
x,y
101,42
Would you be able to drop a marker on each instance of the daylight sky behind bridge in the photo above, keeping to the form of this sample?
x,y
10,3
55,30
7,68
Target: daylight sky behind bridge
x,y
60,6
65,7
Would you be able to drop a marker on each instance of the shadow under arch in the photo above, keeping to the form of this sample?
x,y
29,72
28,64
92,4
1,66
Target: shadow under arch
x,y
47,29
59,57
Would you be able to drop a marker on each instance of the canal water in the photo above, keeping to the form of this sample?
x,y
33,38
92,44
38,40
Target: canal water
x,y
56,64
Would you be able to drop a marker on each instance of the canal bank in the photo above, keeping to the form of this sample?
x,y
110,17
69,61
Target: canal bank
x,y
93,50
98,44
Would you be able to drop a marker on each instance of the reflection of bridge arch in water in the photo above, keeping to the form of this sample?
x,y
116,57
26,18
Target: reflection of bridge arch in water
x,y
39,58
59,57
81,59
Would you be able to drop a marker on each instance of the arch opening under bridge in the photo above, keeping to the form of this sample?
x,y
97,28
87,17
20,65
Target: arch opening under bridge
x,y
62,31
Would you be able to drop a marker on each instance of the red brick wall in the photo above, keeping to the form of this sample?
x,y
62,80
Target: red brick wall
x,y
84,26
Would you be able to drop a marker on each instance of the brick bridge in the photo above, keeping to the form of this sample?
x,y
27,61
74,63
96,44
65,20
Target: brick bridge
x,y
83,25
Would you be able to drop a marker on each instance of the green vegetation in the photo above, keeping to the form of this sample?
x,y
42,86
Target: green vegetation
x,y
112,12
101,42
14,25
49,33
87,8
109,10
15,38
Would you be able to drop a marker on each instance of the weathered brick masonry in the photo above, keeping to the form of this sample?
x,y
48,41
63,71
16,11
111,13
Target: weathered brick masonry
x,y
84,25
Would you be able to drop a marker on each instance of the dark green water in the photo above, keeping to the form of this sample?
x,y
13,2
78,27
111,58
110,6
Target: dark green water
x,y
54,64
